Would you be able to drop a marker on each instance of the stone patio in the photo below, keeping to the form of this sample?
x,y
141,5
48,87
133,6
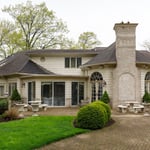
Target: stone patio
x,y
127,133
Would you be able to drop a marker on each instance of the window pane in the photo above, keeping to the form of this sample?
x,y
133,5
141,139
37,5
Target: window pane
x,y
79,62
12,87
73,62
74,93
81,91
46,93
1,90
59,93
67,62
31,91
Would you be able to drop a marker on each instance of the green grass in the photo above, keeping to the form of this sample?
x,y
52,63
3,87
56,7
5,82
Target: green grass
x,y
34,132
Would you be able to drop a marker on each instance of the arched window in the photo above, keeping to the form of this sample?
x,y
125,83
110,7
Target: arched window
x,y
96,76
147,82
97,86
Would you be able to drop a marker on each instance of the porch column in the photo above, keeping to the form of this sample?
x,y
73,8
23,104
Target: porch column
x,y
38,90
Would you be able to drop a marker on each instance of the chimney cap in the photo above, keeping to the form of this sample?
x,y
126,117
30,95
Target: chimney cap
x,y
122,24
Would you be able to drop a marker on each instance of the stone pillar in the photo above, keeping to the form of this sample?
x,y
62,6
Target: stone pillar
x,y
125,77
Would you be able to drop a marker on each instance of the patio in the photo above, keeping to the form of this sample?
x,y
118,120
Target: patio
x,y
129,132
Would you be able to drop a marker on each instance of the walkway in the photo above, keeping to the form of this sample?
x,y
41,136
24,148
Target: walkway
x,y
129,132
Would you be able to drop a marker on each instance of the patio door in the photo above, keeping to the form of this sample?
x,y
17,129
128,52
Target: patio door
x,y
77,92
53,93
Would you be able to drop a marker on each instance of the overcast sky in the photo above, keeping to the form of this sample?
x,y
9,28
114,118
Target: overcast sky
x,y
98,16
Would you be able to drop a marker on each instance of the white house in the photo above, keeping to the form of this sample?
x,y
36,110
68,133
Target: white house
x,y
65,77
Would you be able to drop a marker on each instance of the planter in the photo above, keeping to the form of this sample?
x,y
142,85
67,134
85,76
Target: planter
x,y
146,109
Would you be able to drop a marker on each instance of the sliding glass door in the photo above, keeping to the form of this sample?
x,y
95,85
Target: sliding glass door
x,y
53,93
77,92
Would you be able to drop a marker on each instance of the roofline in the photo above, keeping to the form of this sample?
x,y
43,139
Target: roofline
x,y
103,63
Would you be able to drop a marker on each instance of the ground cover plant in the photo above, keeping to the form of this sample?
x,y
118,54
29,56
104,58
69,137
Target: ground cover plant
x,y
34,132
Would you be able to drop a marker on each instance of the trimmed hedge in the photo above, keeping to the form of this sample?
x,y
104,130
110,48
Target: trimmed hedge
x,y
93,116
101,108
107,107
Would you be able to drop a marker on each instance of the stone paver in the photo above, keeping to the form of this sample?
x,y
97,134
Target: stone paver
x,y
129,132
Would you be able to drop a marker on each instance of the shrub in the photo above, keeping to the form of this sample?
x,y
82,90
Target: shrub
x,y
11,114
15,95
146,97
101,108
91,117
105,97
3,105
107,107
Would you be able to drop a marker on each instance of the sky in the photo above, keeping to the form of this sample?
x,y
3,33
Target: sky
x,y
98,16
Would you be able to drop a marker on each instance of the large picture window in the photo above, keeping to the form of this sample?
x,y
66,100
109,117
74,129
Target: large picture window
x,y
53,93
77,92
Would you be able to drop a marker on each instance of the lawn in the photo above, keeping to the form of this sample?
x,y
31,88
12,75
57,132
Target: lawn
x,y
34,132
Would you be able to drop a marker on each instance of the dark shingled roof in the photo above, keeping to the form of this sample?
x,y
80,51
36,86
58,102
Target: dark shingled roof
x,y
21,63
142,57
106,56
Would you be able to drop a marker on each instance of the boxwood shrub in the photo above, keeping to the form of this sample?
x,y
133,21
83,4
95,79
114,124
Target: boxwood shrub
x,y
93,116
107,107
101,108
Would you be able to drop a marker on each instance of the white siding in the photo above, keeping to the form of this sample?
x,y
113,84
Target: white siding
x,y
57,65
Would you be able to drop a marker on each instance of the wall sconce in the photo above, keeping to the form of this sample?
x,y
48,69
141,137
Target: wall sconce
x,y
23,85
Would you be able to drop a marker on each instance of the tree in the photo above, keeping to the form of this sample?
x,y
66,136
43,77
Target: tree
x,y
146,45
38,26
88,40
6,30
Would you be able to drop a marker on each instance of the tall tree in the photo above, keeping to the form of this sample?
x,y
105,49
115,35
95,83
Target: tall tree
x,y
39,27
88,40
8,39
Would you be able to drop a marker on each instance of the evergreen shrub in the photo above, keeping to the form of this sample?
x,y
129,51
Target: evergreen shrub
x,y
15,95
106,106
91,116
105,97
146,97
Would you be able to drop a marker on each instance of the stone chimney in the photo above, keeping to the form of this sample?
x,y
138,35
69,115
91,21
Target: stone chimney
x,y
125,75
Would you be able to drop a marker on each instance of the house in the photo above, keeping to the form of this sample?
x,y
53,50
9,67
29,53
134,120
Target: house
x,y
65,77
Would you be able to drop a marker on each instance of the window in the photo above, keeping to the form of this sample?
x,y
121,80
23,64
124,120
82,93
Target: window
x,y
1,90
67,62
31,91
79,62
147,82
77,92
73,62
12,87
96,86
53,93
